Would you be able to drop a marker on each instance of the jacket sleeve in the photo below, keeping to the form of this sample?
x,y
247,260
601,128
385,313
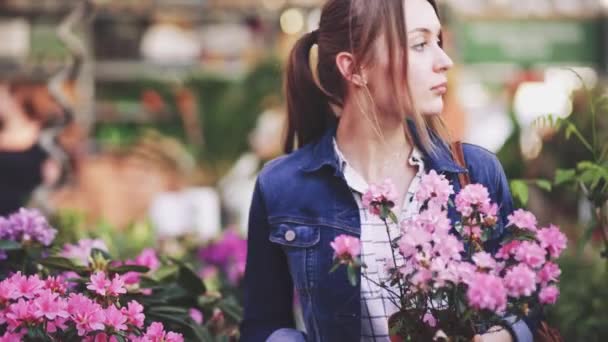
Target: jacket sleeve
x,y
268,288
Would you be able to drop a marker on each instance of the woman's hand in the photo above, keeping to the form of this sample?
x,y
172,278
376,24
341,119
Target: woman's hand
x,y
495,334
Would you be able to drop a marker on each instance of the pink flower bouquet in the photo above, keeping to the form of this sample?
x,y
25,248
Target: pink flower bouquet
x,y
445,282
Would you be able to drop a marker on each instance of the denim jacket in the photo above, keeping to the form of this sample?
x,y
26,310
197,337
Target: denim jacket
x,y
300,204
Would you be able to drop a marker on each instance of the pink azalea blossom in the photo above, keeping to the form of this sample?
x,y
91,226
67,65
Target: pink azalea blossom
x,y
6,291
384,194
434,220
429,319
346,247
134,314
115,319
12,336
549,272
520,281
487,291
522,219
553,240
99,284
448,246
81,251
156,333
421,278
86,314
531,253
117,286
548,295
484,260
56,284
24,286
435,188
472,197
196,315
508,250
50,306
21,312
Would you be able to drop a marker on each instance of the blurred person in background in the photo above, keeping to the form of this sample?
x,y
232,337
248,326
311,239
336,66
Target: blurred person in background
x,y
368,110
25,108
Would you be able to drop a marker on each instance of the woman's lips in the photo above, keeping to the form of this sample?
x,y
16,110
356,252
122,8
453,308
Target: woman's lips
x,y
440,88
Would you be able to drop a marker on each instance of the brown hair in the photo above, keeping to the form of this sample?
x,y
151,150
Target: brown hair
x,y
349,26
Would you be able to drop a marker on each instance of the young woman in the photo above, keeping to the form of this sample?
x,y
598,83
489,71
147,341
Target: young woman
x,y
367,111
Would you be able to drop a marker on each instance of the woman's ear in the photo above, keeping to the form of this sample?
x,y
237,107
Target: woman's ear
x,y
345,63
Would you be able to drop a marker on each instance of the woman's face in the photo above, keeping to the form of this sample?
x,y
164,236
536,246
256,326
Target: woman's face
x,y
427,67
428,63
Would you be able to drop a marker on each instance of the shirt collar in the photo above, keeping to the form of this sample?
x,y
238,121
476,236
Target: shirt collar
x,y
323,153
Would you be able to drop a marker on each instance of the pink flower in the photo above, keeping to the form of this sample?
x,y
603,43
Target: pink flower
x,y
56,284
346,247
24,286
448,246
196,315
115,319
148,258
472,197
117,286
134,313
548,295
50,306
57,323
472,231
12,336
553,240
466,272
429,319
379,195
509,249
484,260
422,278
21,312
520,281
6,291
414,237
82,250
549,272
435,188
434,220
486,291
86,314
531,253
156,333
522,219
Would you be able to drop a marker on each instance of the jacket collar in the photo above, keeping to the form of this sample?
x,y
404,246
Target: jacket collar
x,y
323,153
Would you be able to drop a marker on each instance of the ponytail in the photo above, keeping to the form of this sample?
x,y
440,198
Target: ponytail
x,y
308,110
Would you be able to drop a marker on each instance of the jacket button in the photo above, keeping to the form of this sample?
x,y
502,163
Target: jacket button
x,y
290,235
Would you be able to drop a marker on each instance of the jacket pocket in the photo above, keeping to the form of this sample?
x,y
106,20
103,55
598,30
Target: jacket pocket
x,y
295,235
300,243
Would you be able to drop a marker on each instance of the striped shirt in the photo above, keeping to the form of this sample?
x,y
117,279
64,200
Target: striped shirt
x,y
377,303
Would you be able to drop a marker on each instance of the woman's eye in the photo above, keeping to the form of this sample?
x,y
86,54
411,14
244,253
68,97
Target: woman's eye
x,y
419,47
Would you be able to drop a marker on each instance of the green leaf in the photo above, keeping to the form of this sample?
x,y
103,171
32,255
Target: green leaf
x,y
129,268
9,245
544,184
352,276
393,217
97,251
190,280
231,309
119,338
519,190
335,266
61,264
564,176
171,310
